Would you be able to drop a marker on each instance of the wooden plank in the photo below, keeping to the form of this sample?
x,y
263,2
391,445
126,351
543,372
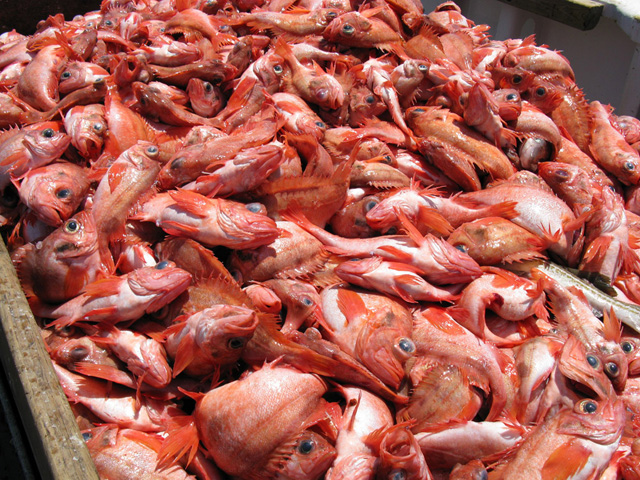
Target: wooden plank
x,y
54,437
580,14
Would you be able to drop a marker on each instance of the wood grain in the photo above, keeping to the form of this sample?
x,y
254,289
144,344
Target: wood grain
x,y
54,437
580,14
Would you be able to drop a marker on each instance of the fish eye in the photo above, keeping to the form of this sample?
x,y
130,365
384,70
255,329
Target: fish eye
x,y
72,226
320,124
143,100
630,166
369,99
462,100
588,406
462,248
370,204
541,91
422,67
516,79
397,474
208,87
79,353
223,28
97,127
387,158
236,343
593,361
627,347
48,132
108,23
332,15
277,69
406,345
612,369
177,163
419,110
64,193
392,231
511,97
162,265
306,446
65,75
348,29
152,150
307,301
562,173
254,207
86,436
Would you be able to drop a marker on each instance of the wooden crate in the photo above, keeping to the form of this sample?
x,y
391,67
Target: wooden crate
x,y
54,438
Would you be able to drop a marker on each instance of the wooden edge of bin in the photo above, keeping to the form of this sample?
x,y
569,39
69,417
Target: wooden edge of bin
x,y
51,428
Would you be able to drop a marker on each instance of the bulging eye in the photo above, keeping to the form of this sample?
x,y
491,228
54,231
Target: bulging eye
x,y
612,369
79,353
348,29
48,132
511,97
369,99
593,361
306,446
462,248
65,75
152,150
162,265
332,15
588,406
64,193
397,474
86,436
254,207
277,69
516,79
72,226
422,67
541,91
307,301
208,87
320,124
97,127
406,345
108,23
236,343
627,347
370,204
629,166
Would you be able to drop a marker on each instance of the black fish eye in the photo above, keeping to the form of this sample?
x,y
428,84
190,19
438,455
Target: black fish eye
x,y
108,23
320,124
627,347
254,207
332,14
397,474
143,100
65,75
307,301
392,231
540,91
79,353
369,99
348,29
64,193
370,204
208,87
97,127
152,150
406,345
48,132
277,68
593,361
516,79
162,265
236,343
86,436
589,406
630,166
511,97
306,446
72,226
462,248
612,369
422,67
387,158
177,163
223,28
419,110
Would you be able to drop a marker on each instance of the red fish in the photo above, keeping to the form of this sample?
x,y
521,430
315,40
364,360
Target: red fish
x,y
87,127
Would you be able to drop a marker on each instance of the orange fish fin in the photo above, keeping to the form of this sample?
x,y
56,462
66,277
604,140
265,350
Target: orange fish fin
x,y
181,440
106,372
565,461
104,287
191,202
612,326
523,256
396,253
351,304
434,220
184,355
178,229
154,442
410,228
402,294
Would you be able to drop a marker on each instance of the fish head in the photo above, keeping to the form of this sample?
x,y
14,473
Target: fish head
x,y
515,78
270,70
57,191
206,99
347,28
585,368
364,104
247,224
307,457
384,216
165,281
544,94
46,141
631,347
600,421
615,364
326,91
87,128
224,330
76,350
509,103
77,237
400,455
73,77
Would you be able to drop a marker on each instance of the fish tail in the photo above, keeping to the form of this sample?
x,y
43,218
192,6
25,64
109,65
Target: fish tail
x,y
182,439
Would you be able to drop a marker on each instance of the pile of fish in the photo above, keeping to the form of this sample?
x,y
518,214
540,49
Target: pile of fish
x,y
303,239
